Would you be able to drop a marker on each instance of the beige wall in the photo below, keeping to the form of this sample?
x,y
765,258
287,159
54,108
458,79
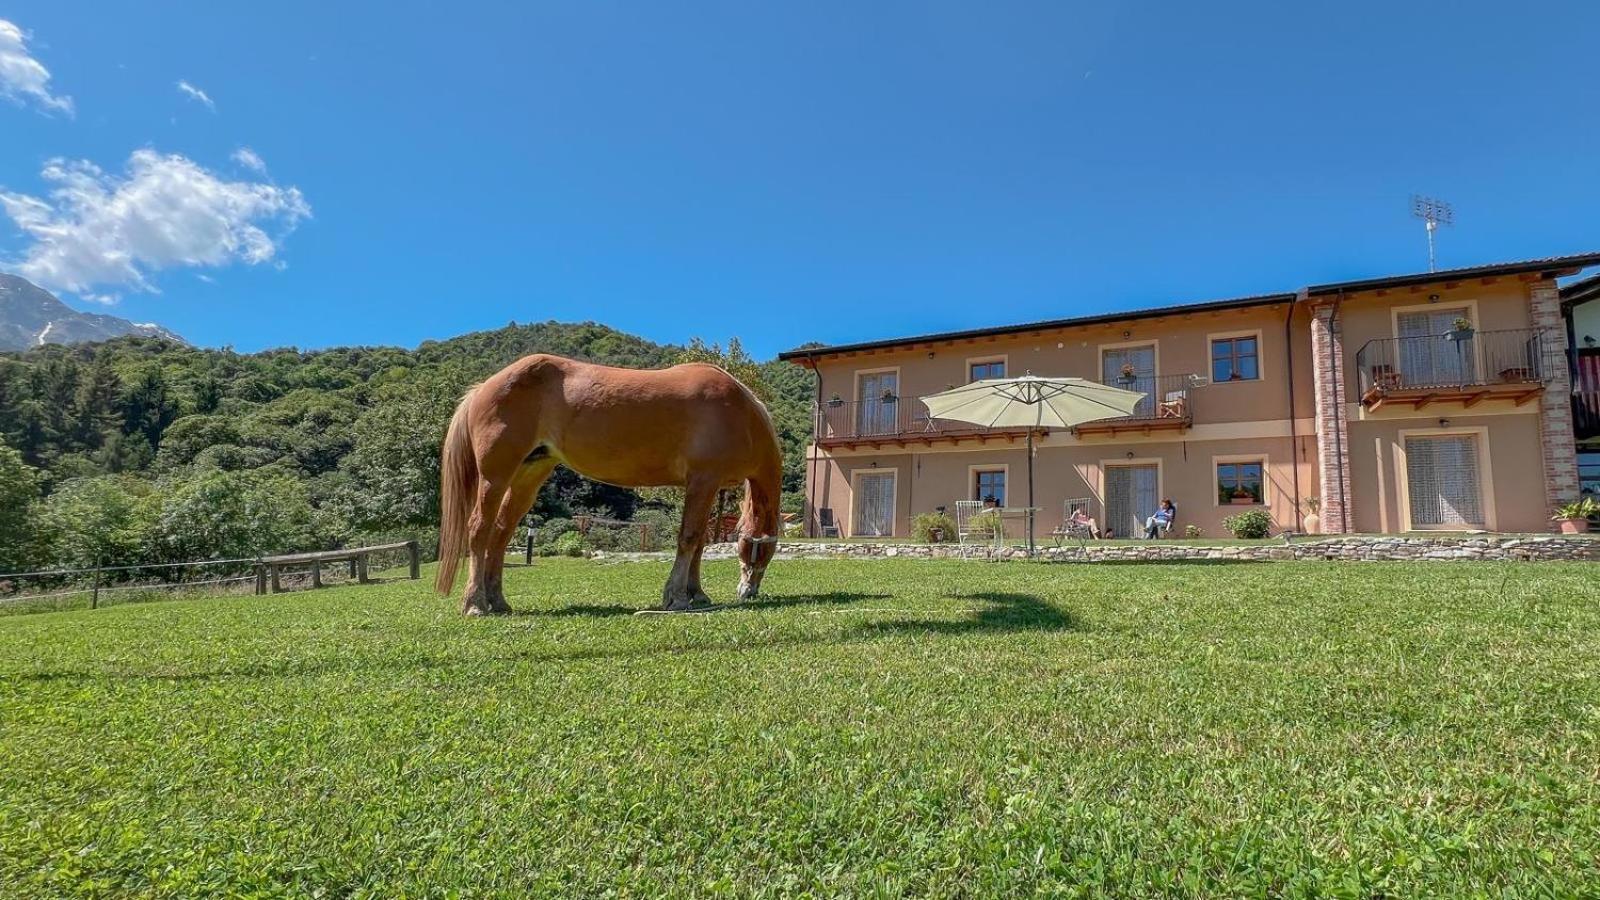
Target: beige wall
x,y
928,479
1515,474
1182,347
1499,306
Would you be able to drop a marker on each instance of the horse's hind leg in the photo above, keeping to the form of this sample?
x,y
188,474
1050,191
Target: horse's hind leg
x,y
682,585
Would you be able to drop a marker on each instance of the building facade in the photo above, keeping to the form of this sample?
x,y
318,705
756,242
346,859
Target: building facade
x,y
1438,401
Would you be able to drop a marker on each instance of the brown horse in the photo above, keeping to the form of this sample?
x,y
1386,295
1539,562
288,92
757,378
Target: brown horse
x,y
693,426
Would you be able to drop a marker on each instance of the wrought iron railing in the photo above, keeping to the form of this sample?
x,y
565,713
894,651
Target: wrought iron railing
x,y
1166,397
1453,359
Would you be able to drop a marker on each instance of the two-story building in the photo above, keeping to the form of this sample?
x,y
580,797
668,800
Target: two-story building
x,y
1434,401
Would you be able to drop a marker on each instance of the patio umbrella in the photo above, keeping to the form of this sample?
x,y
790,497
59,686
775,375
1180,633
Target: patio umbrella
x,y
1033,403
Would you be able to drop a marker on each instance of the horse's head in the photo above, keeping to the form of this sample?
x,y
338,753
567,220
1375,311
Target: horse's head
x,y
754,554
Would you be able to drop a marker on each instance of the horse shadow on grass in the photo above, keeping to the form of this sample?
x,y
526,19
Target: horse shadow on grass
x,y
1004,612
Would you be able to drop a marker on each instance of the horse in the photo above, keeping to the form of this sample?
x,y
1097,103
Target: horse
x,y
692,426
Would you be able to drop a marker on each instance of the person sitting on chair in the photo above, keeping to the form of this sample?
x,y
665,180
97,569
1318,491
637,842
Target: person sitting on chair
x,y
1161,520
1081,518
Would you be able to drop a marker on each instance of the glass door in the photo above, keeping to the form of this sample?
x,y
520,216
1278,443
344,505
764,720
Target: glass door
x,y
1141,362
874,505
1428,357
1442,481
1130,498
878,403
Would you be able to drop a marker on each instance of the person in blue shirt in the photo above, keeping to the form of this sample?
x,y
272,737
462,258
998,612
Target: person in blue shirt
x,y
1161,519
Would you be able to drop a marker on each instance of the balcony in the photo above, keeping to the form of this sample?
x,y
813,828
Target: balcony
x,y
904,421
1468,369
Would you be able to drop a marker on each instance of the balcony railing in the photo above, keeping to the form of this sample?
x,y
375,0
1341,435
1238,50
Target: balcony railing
x,y
1447,362
1168,399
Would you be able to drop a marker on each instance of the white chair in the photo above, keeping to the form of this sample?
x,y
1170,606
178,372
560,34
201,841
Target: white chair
x,y
1071,527
972,538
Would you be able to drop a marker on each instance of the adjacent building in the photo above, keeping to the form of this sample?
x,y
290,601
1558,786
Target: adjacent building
x,y
1449,400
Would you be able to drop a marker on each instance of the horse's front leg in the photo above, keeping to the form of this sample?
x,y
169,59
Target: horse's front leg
x,y
684,584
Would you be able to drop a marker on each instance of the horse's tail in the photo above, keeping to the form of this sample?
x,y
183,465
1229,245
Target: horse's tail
x,y
458,490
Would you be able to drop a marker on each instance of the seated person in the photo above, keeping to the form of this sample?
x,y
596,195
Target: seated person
x,y
1081,518
1161,519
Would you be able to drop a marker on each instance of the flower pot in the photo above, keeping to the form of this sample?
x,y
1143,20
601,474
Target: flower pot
x,y
1242,501
1312,523
1573,526
1459,334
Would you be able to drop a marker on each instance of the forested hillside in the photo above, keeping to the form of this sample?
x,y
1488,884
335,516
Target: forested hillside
x,y
142,450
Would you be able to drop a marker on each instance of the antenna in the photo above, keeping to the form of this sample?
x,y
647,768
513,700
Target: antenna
x,y
1433,213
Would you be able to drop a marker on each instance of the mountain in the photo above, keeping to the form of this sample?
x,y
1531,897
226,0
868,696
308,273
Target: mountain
x,y
31,315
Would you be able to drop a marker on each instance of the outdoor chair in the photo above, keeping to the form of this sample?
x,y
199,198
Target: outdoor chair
x,y
1165,529
966,512
1070,527
826,526
1174,406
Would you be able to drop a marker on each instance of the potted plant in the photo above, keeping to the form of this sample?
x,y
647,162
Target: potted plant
x,y
1460,330
1313,518
888,396
1241,497
1573,518
1128,374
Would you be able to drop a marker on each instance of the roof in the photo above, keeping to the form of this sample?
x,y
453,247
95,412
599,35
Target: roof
x,y
1549,266
1098,319
1581,291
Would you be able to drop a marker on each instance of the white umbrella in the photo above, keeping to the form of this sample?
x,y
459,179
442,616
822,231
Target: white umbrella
x,y
1032,403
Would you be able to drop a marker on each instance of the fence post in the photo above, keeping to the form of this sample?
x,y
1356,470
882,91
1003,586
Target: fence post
x,y
261,578
316,573
527,553
94,598
416,559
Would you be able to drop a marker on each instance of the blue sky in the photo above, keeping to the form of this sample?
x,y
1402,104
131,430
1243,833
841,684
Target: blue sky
x,y
820,171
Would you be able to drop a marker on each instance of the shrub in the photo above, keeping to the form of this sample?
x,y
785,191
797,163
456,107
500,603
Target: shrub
x,y
1254,523
984,526
923,526
570,544
1193,531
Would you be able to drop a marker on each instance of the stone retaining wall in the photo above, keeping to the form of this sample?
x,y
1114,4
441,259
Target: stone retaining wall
x,y
1343,547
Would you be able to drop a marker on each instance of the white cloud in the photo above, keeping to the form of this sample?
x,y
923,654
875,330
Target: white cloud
x,y
96,230
21,76
195,93
251,160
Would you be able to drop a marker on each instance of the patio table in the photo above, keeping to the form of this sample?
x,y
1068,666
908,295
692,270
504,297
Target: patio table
x,y
1025,513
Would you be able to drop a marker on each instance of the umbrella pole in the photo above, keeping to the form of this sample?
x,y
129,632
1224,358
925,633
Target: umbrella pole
x,y
1030,492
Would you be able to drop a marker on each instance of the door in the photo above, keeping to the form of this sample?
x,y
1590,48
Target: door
x,y
1143,362
874,505
1442,481
1130,498
874,413
1427,357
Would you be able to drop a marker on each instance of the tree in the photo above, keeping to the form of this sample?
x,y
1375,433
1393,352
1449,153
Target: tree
x,y
106,520
19,497
147,410
233,515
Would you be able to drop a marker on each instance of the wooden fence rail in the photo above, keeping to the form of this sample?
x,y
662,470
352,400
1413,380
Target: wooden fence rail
x,y
270,568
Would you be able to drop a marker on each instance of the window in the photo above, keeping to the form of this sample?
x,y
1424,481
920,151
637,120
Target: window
x,y
1235,359
987,483
1589,473
1240,482
978,371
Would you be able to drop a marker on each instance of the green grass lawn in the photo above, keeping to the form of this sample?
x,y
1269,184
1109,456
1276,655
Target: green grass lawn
x,y
869,728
